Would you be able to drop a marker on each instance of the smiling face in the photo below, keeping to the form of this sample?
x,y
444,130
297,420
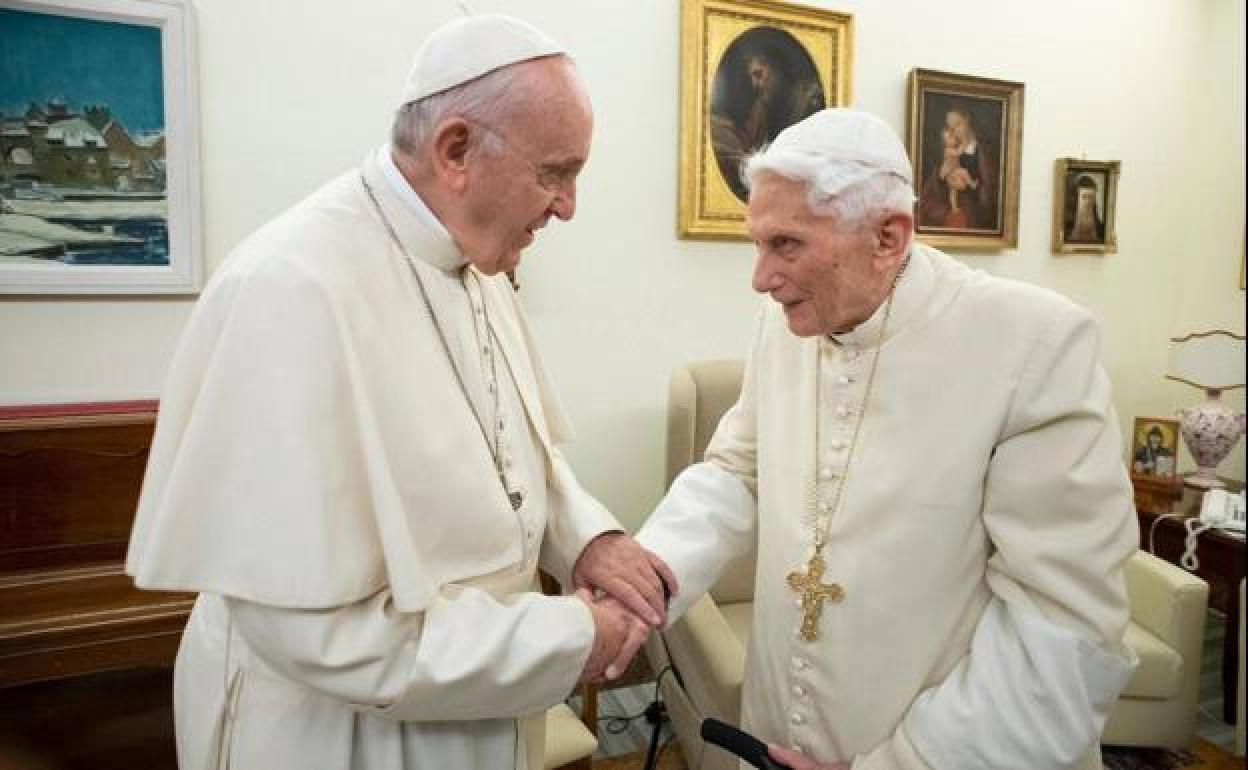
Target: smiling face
x,y
828,277
510,194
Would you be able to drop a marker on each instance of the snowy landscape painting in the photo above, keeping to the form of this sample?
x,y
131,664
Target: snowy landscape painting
x,y
86,162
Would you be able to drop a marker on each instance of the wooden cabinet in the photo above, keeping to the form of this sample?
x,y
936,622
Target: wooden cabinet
x,y
69,485
84,655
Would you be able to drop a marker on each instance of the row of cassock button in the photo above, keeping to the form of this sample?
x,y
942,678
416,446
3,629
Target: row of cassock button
x,y
827,473
530,534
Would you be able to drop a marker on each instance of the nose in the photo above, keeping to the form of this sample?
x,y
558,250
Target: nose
x,y
765,277
563,205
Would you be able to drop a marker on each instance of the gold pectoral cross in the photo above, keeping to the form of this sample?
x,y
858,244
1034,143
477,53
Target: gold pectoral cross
x,y
809,584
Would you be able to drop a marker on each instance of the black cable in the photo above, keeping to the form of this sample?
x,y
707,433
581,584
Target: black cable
x,y
669,668
656,712
658,681
654,715
616,724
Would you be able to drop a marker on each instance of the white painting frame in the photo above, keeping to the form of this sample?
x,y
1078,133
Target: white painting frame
x,y
181,175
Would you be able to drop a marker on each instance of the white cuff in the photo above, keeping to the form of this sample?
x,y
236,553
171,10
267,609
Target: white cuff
x,y
705,521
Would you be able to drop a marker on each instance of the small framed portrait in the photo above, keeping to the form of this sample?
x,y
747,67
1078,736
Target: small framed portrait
x,y
99,148
749,69
965,137
1155,449
1085,197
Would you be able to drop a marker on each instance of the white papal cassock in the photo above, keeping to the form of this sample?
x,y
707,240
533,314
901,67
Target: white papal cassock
x,y
318,474
985,521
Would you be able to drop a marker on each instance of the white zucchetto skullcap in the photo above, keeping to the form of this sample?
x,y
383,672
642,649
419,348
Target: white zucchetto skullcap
x,y
849,145
467,48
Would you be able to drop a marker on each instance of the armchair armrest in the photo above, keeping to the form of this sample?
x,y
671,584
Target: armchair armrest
x,y
1166,600
710,659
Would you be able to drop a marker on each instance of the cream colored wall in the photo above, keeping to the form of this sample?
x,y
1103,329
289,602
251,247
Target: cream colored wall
x,y
294,91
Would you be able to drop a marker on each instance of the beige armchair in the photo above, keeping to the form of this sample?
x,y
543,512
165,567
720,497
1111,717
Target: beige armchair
x,y
707,646
569,742
1167,632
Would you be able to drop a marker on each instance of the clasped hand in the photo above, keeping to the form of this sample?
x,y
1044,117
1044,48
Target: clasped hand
x,y
622,584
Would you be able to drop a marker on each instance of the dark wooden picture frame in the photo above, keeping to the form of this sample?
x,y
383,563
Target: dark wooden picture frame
x,y
965,136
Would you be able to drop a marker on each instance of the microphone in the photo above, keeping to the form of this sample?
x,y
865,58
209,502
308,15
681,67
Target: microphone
x,y
740,743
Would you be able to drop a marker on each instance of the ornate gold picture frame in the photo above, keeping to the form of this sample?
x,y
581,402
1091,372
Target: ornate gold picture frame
x,y
1085,202
749,69
1155,449
965,138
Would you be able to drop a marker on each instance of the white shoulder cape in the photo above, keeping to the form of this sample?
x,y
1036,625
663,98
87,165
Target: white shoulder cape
x,y
313,444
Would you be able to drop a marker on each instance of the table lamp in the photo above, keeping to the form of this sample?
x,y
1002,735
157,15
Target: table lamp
x,y
1212,361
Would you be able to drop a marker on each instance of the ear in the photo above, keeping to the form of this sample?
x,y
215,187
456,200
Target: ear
x,y
892,239
451,143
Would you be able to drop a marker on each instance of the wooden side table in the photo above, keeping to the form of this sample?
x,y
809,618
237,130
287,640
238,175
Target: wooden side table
x,y
1222,566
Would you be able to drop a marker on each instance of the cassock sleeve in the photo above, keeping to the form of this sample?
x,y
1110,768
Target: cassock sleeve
x,y
708,517
467,656
573,519
1047,660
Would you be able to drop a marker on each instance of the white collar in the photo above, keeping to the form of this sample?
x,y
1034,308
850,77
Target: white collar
x,y
417,229
913,289
390,171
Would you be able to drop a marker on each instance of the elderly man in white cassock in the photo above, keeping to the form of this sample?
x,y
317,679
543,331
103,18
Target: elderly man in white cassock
x,y
928,459
356,465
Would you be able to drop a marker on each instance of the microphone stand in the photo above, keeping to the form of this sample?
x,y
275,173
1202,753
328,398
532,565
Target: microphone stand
x,y
656,709
654,715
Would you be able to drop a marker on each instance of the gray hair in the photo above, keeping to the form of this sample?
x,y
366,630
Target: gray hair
x,y
851,191
489,100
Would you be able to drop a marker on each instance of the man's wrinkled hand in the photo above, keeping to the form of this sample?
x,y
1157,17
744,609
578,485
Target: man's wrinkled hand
x,y
618,635
619,566
799,761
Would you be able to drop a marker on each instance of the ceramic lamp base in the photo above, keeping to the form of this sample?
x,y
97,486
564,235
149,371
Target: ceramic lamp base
x,y
1210,430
